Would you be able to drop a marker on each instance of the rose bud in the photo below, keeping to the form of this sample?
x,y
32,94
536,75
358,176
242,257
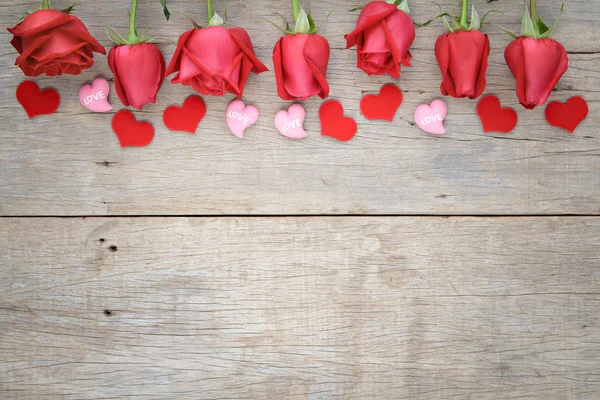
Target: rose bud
x,y
462,55
138,66
215,60
536,61
53,42
300,59
139,71
383,36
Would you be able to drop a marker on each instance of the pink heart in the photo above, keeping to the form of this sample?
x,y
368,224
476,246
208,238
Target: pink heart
x,y
94,97
240,117
289,123
431,118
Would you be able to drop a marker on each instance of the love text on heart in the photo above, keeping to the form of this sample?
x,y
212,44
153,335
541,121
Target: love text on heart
x,y
291,125
239,116
94,97
432,119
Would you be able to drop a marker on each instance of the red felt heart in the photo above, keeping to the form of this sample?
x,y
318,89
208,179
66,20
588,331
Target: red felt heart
x,y
185,118
384,105
495,118
567,116
130,132
35,101
333,122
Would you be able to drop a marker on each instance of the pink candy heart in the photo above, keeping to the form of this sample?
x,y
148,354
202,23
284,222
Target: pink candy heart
x,y
431,118
240,117
289,123
94,97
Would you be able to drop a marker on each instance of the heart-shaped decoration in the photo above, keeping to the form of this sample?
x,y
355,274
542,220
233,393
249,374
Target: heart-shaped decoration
x,y
187,117
431,118
290,123
94,97
384,105
35,101
567,116
333,122
494,118
240,117
130,132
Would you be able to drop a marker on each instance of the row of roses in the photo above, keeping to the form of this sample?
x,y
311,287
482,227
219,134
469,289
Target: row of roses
x,y
215,60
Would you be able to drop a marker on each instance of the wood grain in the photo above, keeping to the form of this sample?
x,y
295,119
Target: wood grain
x,y
70,163
300,308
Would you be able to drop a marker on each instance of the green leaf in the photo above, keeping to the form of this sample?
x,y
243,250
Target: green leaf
x,y
302,24
527,27
284,30
287,24
216,20
163,3
69,9
543,28
311,23
510,33
403,6
475,20
115,36
447,24
325,20
431,20
551,30
487,13
356,9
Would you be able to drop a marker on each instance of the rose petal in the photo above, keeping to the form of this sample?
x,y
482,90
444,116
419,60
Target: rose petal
x,y
278,66
174,65
371,14
242,39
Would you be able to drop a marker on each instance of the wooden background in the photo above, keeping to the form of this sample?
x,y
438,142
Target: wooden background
x,y
396,266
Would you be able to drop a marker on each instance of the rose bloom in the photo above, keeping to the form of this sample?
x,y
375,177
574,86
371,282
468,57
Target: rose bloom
x,y
52,42
215,60
301,66
463,60
139,71
537,65
383,36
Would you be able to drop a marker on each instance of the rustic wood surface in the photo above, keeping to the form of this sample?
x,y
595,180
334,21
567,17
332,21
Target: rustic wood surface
x,y
135,291
70,163
300,308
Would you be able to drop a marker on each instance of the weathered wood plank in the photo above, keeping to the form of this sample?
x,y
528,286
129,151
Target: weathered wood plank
x,y
300,308
70,163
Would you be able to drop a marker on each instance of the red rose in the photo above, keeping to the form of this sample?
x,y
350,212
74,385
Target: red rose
x,y
384,35
538,65
215,60
139,71
463,59
301,66
52,42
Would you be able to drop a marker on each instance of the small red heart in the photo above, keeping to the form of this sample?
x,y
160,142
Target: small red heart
x,y
35,101
185,118
567,116
130,132
333,122
495,118
384,105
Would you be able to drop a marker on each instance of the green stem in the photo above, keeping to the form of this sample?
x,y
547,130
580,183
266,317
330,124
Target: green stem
x,y
209,7
296,9
464,14
45,5
533,10
132,38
